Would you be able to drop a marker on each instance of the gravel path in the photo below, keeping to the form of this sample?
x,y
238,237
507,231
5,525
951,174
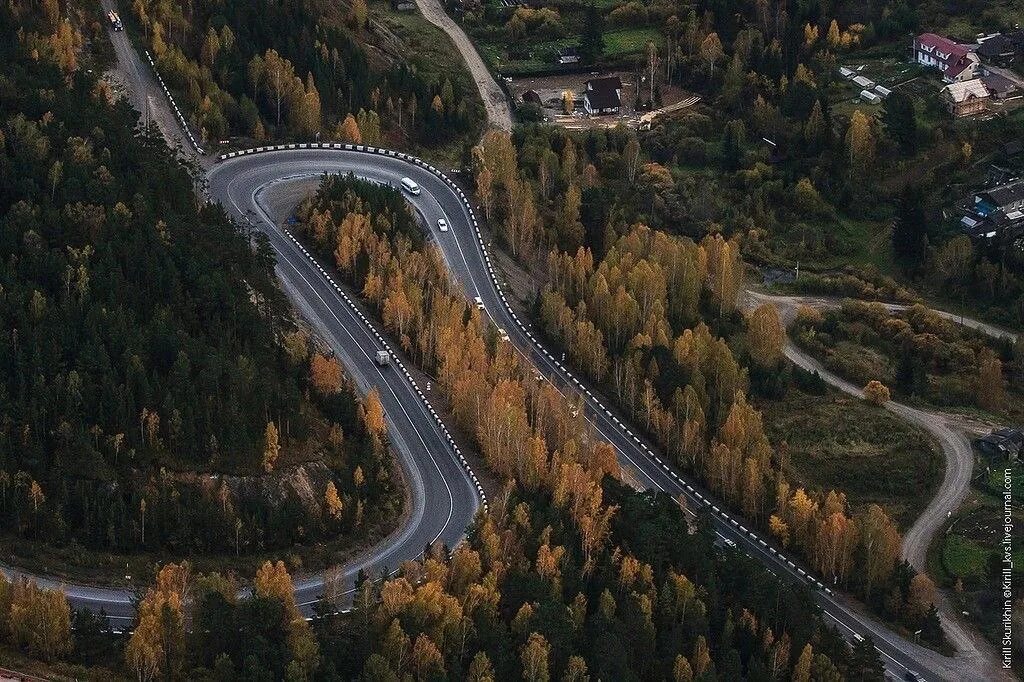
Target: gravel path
x,y
973,651
499,114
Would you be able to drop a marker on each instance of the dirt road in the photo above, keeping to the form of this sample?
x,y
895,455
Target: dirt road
x,y
499,114
972,649
143,91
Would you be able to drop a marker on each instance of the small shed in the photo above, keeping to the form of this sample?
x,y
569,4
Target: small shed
x,y
864,82
870,97
568,55
846,72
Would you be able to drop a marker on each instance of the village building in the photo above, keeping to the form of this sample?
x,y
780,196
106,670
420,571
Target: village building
x,y
957,62
603,96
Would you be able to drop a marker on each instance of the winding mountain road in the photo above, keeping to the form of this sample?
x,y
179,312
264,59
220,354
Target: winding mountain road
x,y
444,491
471,264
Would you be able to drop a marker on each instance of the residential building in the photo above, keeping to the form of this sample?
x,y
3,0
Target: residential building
x,y
1008,198
957,62
1002,49
997,212
603,96
1001,88
965,98
1003,443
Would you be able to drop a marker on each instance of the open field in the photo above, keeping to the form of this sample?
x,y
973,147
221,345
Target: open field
x,y
840,442
619,45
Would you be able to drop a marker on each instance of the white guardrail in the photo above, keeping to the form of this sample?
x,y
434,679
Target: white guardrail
x,y
355,308
174,105
754,538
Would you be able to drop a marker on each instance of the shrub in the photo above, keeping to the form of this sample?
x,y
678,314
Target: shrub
x,y
876,392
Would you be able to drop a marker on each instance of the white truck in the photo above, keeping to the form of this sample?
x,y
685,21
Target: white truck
x,y
383,358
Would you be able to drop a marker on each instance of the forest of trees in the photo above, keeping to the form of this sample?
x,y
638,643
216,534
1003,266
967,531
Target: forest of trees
x,y
917,353
653,318
150,372
569,576
298,68
519,600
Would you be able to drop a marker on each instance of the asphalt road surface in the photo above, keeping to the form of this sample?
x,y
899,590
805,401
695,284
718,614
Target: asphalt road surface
x,y
253,175
443,491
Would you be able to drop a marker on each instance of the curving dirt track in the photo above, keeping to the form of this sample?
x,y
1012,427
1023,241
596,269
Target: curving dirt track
x,y
971,647
499,114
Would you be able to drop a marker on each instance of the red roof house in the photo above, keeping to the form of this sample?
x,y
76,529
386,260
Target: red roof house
x,y
957,62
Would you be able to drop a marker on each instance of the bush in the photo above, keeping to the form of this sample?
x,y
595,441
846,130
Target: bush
x,y
876,393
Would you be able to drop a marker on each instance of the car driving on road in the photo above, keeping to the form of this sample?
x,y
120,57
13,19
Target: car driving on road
x,y
409,186
442,224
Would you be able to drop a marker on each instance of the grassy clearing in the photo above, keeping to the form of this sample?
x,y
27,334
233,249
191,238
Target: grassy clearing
x,y
963,556
619,45
13,659
428,46
837,242
840,442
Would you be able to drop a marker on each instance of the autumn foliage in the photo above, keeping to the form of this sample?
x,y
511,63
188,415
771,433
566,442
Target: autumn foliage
x,y
876,392
524,428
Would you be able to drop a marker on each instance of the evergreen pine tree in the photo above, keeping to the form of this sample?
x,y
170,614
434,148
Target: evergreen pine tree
x,y
909,233
592,40
900,124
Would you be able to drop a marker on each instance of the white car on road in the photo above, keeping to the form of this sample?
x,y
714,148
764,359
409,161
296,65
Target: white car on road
x,y
442,224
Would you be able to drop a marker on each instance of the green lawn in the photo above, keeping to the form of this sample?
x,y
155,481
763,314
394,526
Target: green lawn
x,y
962,557
835,441
618,45
992,13
628,41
